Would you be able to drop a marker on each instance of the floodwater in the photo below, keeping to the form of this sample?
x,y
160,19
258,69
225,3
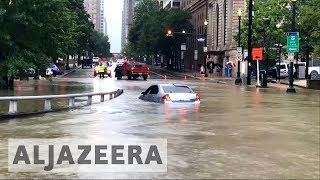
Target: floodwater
x,y
236,132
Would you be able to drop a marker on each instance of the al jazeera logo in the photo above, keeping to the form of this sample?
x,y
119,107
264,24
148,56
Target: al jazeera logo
x,y
70,155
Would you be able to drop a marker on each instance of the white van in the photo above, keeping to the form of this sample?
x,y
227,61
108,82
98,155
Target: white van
x,y
95,59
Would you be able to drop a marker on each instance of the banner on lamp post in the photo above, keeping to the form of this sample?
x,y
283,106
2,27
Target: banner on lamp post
x,y
195,55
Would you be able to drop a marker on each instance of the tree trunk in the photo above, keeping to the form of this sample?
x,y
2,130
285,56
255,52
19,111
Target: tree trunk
x,y
79,59
67,65
7,83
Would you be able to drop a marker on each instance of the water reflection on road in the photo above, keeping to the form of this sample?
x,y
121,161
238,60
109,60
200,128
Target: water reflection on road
x,y
234,133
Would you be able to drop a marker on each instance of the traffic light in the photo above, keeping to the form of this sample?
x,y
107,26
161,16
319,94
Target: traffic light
x,y
169,32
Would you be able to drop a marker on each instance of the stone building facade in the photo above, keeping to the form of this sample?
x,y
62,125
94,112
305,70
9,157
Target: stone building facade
x,y
198,9
220,32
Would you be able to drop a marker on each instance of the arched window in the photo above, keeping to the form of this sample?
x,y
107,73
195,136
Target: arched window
x,y
224,22
217,32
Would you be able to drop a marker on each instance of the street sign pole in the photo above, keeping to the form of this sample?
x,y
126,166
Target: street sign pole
x,y
292,47
258,74
257,54
238,80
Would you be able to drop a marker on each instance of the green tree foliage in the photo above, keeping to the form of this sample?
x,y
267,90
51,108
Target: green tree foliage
x,y
35,32
280,12
309,25
147,35
99,44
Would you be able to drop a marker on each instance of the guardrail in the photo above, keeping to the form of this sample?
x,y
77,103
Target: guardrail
x,y
13,100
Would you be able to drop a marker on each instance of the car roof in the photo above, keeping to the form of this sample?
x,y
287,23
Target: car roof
x,y
172,85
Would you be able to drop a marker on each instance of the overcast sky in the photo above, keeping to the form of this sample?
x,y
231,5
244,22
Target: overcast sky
x,y
113,14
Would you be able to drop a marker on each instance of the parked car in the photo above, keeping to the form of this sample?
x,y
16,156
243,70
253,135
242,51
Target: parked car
x,y
95,59
30,72
52,69
170,93
134,70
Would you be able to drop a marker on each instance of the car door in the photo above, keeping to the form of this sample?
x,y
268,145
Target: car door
x,y
153,93
124,69
146,95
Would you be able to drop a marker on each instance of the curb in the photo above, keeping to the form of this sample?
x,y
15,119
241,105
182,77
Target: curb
x,y
223,81
296,85
190,76
71,71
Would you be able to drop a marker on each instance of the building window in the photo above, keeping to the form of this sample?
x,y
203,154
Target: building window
x,y
217,33
224,22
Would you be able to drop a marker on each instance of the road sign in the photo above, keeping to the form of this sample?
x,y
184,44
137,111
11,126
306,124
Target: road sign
x,y
195,55
257,54
239,50
183,47
205,49
293,44
245,54
239,57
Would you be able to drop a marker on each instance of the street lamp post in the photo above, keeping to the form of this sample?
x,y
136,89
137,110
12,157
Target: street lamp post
x,y
291,88
205,49
279,48
250,16
238,79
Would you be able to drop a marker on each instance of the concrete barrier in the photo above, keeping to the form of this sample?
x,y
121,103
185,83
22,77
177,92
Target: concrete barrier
x,y
13,100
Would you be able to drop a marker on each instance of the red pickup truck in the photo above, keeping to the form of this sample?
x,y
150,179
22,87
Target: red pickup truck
x,y
133,70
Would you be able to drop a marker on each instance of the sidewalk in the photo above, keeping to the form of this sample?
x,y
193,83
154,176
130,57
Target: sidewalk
x,y
226,80
72,69
164,72
297,82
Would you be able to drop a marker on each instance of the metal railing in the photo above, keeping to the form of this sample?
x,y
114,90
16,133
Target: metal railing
x,y
13,100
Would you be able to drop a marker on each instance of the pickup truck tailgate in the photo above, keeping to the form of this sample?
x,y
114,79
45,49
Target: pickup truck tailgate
x,y
140,69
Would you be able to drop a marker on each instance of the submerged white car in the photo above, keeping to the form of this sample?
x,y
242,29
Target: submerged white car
x,y
170,93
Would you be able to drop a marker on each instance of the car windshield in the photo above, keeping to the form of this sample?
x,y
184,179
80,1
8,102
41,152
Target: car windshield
x,y
176,89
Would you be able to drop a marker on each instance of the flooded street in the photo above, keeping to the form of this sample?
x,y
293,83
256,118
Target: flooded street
x,y
236,132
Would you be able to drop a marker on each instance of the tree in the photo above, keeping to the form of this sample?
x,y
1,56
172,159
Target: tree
x,y
36,32
309,26
280,12
99,44
147,35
